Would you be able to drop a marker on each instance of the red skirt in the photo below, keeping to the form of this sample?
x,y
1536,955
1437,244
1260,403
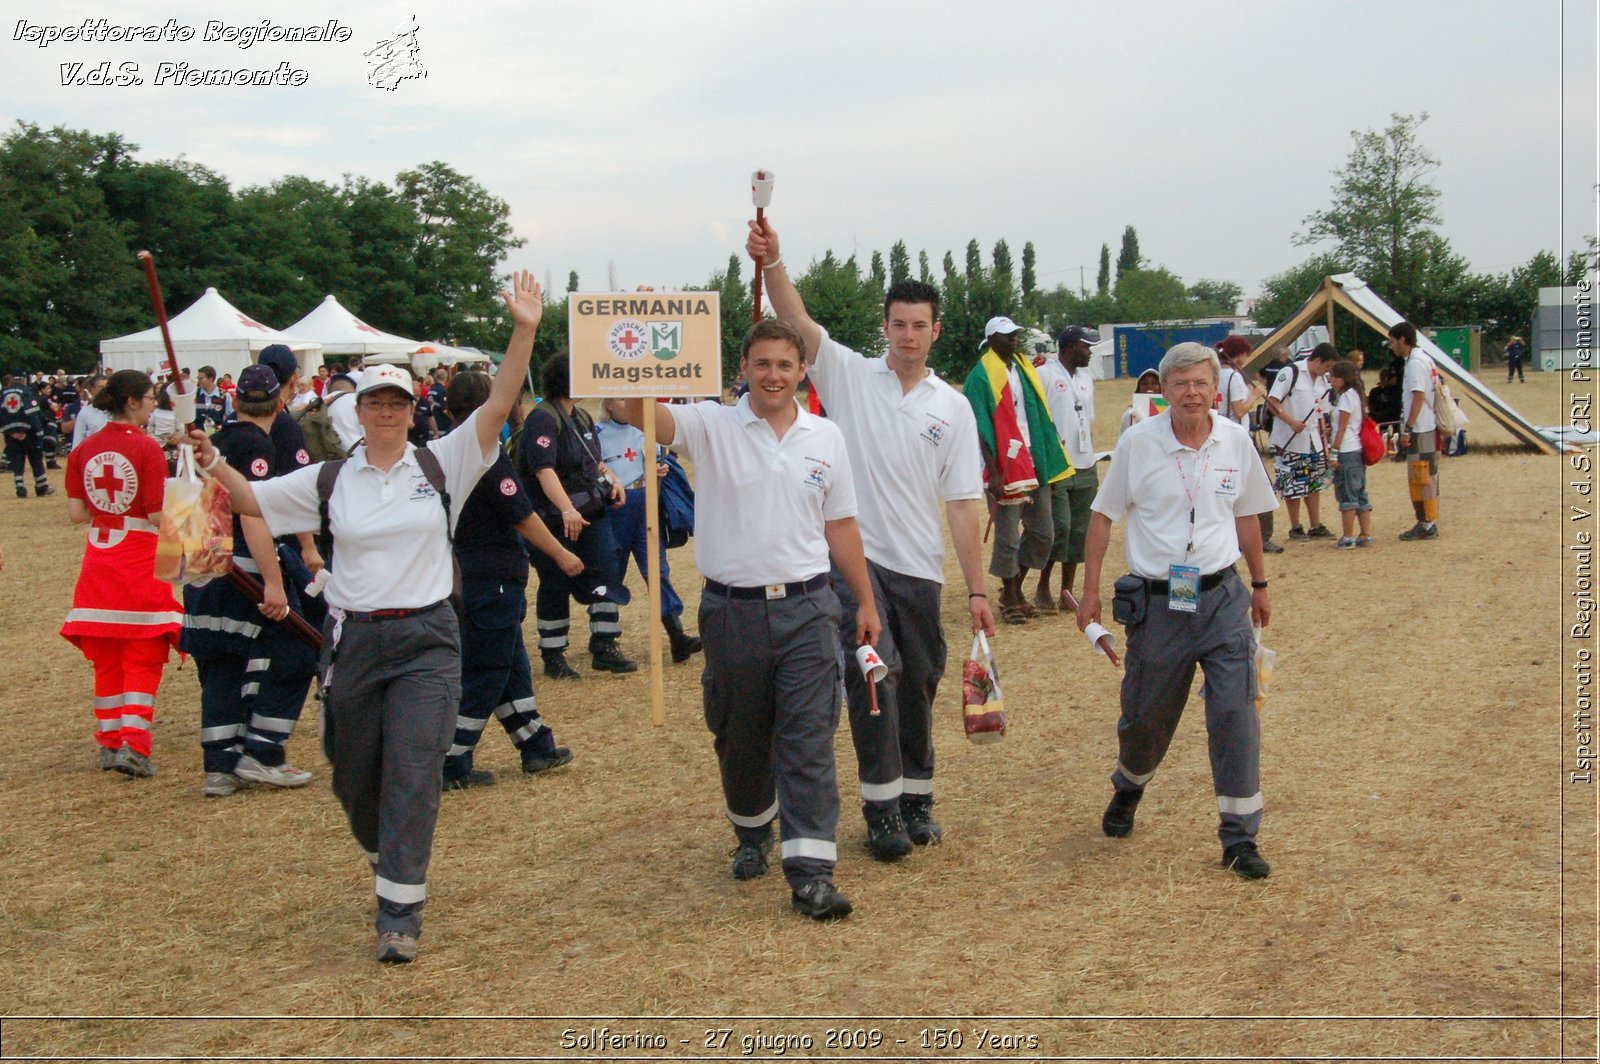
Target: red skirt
x,y
117,595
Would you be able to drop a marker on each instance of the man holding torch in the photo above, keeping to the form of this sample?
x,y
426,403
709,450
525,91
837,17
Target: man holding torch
x,y
913,443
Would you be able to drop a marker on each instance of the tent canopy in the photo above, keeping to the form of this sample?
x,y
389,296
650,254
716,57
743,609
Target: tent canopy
x,y
209,332
342,333
1350,292
424,357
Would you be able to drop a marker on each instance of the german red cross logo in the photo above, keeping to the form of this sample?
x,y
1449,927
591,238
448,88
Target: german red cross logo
x,y
110,482
626,339
302,457
258,467
508,487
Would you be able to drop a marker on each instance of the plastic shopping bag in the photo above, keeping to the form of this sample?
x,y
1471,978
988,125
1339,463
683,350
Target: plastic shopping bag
x,y
194,537
1266,661
983,710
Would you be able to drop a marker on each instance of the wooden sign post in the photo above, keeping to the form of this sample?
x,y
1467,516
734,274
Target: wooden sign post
x,y
645,345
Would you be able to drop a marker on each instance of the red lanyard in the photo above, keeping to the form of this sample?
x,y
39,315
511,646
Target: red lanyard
x,y
1189,493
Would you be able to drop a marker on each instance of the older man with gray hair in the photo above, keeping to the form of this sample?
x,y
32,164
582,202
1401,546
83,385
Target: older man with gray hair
x,y
1190,487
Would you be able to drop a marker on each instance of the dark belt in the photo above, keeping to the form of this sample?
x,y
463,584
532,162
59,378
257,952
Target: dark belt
x,y
391,615
1207,582
770,591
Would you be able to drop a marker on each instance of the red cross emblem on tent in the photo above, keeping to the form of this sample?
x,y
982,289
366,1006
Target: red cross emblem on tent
x,y
252,323
364,327
111,482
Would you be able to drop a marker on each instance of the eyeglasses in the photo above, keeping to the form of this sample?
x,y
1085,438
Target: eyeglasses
x,y
386,404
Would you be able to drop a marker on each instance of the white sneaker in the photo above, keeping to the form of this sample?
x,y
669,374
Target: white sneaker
x,y
222,784
285,775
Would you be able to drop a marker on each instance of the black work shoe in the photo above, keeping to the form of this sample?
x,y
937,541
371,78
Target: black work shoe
x,y
684,645
750,859
608,657
1118,819
1244,859
42,492
533,764
1297,533
475,777
1270,547
22,492
917,810
1421,531
556,668
1319,532
821,900
887,838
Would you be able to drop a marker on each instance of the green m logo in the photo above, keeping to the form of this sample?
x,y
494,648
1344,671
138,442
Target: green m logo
x,y
666,339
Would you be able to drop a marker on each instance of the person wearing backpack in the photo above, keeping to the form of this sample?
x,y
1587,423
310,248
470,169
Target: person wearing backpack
x,y
1419,437
316,421
1349,465
391,647
1297,400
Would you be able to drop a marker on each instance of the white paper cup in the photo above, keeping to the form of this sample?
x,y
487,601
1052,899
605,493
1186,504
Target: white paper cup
x,y
761,188
1093,633
871,665
183,406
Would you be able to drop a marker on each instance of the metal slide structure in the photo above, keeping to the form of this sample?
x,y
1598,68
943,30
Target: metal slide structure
x,y
1352,293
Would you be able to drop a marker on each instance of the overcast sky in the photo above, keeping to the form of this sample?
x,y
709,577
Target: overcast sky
x,y
624,132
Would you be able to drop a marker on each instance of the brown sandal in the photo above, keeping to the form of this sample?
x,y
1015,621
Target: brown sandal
x,y
1013,613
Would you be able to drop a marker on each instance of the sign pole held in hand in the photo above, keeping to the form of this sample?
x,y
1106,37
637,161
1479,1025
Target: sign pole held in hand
x,y
761,195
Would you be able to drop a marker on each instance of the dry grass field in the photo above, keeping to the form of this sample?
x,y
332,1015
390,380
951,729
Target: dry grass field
x,y
1433,891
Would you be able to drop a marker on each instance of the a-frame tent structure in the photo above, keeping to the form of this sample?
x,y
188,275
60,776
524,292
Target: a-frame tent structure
x,y
1350,292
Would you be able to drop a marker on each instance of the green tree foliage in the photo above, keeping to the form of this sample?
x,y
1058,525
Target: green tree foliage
x,y
967,301
900,263
880,276
294,248
1128,258
1220,298
382,231
71,279
1030,275
1152,295
572,281
844,302
463,231
924,273
1384,205
1102,279
974,260
186,216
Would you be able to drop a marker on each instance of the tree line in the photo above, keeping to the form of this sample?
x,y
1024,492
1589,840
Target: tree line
x,y
419,256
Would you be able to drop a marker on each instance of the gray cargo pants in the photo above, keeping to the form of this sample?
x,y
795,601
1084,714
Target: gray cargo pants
x,y
894,750
1163,651
392,689
771,686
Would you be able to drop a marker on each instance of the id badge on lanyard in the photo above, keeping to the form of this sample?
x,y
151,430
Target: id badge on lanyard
x,y
1083,429
1183,588
1183,581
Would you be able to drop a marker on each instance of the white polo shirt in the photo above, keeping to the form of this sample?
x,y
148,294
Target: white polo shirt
x,y
760,502
1071,396
341,407
391,550
909,451
1418,378
1305,400
1154,481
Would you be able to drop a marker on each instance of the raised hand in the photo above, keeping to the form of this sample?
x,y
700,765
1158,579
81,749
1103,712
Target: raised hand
x,y
525,301
762,245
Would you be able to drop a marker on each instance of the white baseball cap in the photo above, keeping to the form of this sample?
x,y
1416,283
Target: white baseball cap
x,y
385,376
1001,326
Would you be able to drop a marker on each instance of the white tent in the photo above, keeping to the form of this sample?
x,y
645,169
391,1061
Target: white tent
x,y
342,334
210,332
423,358
1352,293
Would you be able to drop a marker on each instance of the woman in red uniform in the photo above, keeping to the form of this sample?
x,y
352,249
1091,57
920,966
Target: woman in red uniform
x,y
123,619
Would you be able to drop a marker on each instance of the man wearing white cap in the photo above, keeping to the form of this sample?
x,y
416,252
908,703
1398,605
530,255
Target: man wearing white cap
x,y
1023,452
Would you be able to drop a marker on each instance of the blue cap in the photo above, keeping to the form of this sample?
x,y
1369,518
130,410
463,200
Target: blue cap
x,y
282,361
